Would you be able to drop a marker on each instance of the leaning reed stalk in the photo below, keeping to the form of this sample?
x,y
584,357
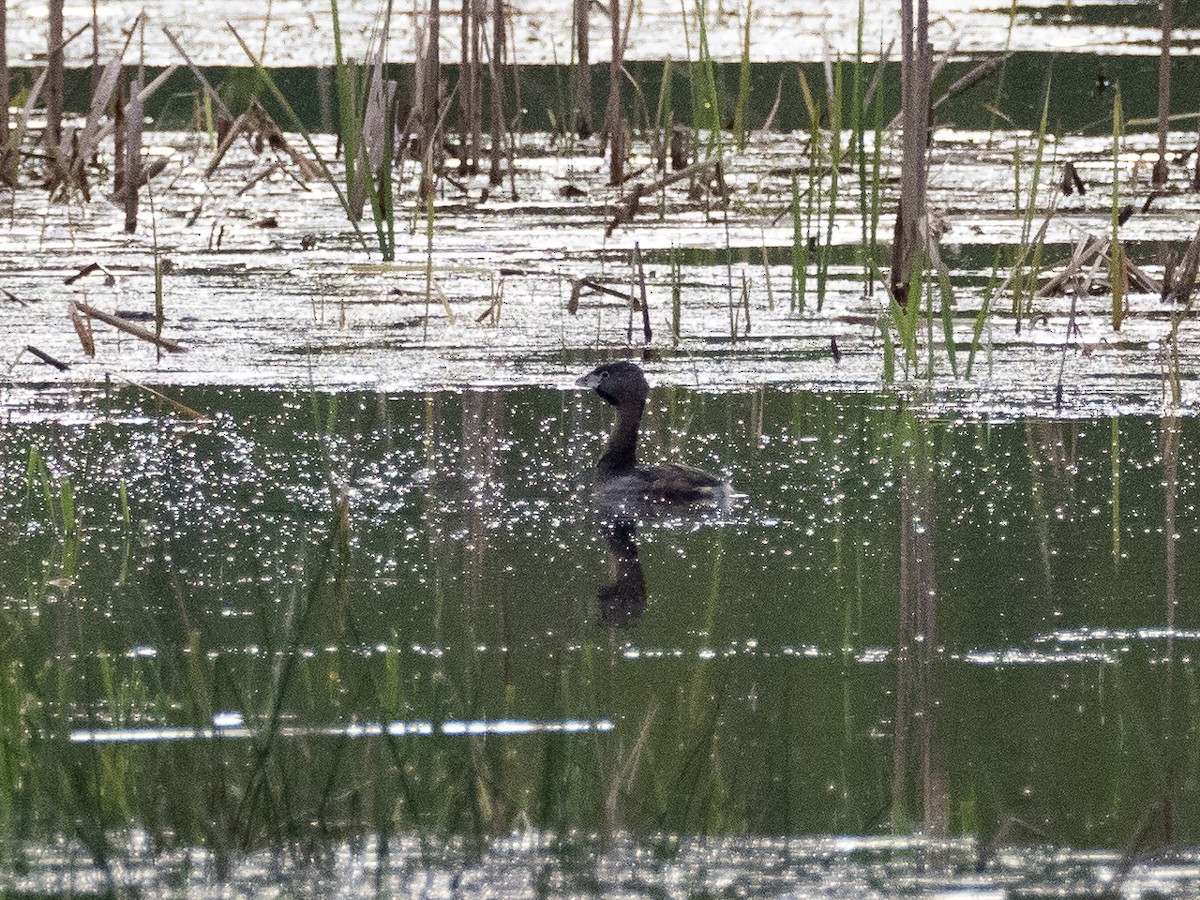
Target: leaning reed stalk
x,y
295,122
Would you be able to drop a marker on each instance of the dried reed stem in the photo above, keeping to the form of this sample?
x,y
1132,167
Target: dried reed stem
x,y
128,327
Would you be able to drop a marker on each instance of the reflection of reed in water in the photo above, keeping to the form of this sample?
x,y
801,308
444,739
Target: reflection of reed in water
x,y
621,603
916,740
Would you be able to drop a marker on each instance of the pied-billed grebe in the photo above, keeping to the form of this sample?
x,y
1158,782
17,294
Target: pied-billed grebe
x,y
618,476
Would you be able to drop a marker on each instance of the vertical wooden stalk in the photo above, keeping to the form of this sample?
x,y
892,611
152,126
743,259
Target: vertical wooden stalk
x,y
54,78
612,115
133,151
431,84
583,69
915,78
118,105
464,88
95,75
4,149
497,125
1164,92
478,19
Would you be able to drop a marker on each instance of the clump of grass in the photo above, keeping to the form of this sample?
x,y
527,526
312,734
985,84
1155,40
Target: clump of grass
x,y
1024,280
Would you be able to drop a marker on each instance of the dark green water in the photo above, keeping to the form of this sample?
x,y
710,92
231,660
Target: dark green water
x,y
907,622
1081,88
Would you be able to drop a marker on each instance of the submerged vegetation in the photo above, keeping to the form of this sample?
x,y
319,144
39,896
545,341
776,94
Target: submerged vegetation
x,y
364,610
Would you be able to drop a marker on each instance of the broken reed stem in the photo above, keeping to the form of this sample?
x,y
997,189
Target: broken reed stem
x,y
128,327
628,210
47,358
208,88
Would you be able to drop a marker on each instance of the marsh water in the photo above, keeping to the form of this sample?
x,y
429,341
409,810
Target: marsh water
x,y
985,627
